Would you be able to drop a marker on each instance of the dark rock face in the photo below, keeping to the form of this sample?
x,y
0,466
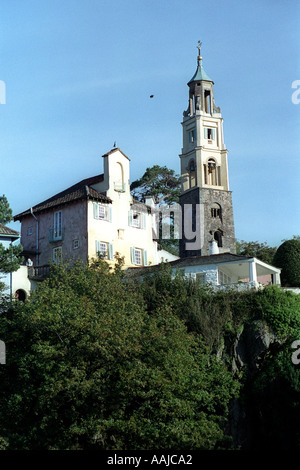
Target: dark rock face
x,y
252,345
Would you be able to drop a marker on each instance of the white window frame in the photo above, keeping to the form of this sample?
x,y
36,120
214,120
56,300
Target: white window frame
x,y
137,219
139,256
57,259
105,249
29,231
102,212
75,244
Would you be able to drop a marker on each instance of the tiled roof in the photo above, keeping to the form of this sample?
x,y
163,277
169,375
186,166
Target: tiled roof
x,y
78,191
8,232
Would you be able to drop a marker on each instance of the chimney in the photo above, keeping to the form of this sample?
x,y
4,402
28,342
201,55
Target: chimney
x,y
213,247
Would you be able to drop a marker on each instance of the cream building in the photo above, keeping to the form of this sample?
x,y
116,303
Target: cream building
x,y
96,216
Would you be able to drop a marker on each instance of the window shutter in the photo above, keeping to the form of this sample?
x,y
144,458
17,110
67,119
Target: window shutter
x,y
109,213
110,251
132,254
213,134
96,214
145,258
205,132
130,216
144,220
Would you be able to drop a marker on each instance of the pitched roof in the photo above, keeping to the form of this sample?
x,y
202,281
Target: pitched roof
x,y
6,232
78,191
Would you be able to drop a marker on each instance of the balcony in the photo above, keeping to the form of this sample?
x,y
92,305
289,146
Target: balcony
x,y
56,234
120,187
38,273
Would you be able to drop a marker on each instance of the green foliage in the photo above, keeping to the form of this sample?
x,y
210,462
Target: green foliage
x,y
10,258
281,310
163,185
258,250
160,183
5,210
287,257
89,367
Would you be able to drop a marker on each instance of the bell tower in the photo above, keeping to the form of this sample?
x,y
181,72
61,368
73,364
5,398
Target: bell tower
x,y
204,172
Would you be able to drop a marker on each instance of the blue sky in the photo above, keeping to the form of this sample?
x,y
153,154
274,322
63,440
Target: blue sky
x,y
79,74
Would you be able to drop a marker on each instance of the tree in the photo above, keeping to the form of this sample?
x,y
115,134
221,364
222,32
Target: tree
x,y
10,257
163,185
287,257
258,250
5,210
160,183
88,367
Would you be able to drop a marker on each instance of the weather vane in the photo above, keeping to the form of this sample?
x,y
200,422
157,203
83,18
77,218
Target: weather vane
x,y
199,46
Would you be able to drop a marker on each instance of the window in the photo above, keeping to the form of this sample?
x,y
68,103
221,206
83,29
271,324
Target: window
x,y
216,211
137,219
138,256
102,212
224,278
57,232
29,231
192,173
192,136
210,133
57,254
121,234
201,277
75,244
218,235
207,101
104,250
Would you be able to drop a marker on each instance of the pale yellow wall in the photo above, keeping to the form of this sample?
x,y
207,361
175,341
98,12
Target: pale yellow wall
x,y
109,232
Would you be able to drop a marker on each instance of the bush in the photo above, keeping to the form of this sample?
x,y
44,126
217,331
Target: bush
x,y
287,257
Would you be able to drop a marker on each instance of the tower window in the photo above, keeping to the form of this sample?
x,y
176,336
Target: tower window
x,y
192,173
212,173
192,136
218,235
216,211
207,101
209,133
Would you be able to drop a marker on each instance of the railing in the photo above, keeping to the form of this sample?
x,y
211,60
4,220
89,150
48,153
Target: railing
x,y
56,234
38,273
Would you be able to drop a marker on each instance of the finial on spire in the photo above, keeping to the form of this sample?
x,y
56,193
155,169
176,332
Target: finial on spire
x,y
198,47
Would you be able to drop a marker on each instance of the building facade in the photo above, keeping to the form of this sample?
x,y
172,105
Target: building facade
x,y
96,216
205,199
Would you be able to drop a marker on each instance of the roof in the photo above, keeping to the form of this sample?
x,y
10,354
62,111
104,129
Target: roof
x,y
200,74
6,232
77,192
114,150
219,258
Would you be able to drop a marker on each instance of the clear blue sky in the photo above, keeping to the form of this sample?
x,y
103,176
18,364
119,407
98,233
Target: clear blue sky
x,y
79,74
